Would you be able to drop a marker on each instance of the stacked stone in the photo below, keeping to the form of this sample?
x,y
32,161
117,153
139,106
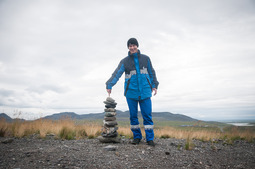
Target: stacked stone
x,y
109,130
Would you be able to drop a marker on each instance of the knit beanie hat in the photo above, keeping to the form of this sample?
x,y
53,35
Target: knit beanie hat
x,y
132,41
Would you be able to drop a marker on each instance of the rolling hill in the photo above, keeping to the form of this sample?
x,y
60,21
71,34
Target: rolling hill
x,y
160,116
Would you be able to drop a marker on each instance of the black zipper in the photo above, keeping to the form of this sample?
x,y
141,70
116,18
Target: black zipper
x,y
149,82
127,86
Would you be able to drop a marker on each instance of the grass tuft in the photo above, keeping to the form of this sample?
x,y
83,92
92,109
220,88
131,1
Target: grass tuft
x,y
67,133
165,136
2,132
81,134
189,145
91,136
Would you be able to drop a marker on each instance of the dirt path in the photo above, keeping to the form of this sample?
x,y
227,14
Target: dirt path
x,y
33,153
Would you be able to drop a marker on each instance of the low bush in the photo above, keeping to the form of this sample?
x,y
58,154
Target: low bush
x,y
165,136
189,145
67,133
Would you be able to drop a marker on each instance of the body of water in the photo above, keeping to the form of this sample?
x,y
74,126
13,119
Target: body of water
x,y
241,124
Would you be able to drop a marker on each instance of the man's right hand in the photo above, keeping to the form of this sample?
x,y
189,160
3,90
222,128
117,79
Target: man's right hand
x,y
109,91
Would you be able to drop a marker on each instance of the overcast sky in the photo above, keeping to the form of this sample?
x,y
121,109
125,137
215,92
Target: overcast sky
x,y
56,55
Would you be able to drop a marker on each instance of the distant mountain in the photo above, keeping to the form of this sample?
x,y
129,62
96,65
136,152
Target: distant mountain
x,y
73,115
167,116
6,117
160,116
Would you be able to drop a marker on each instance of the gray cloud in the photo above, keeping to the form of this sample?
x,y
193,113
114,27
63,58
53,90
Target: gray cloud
x,y
5,93
57,55
44,88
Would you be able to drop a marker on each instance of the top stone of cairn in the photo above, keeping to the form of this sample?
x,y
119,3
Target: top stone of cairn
x,y
109,99
110,103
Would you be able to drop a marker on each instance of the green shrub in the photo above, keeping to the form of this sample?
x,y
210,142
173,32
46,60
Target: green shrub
x,y
91,136
165,136
82,133
67,133
2,132
179,146
28,132
189,144
98,133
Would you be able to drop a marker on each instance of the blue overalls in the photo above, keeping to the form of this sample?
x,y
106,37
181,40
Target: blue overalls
x,y
145,107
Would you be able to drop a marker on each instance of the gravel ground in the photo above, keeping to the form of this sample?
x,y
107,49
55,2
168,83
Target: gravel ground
x,y
26,153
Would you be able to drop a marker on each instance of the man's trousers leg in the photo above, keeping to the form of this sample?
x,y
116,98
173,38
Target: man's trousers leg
x,y
146,109
134,123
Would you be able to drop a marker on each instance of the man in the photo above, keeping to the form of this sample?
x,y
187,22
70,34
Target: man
x,y
140,82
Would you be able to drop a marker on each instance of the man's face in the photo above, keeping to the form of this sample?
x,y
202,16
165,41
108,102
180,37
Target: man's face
x,y
132,48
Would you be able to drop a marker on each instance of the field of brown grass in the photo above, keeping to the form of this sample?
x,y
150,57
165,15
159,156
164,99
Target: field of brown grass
x,y
70,129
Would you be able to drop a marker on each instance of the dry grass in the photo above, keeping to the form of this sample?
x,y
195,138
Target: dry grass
x,y
235,134
205,135
65,128
125,131
69,129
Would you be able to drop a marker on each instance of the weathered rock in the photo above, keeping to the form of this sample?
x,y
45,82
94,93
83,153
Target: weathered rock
x,y
110,99
109,139
110,123
110,103
109,118
50,135
110,114
110,106
110,110
167,153
113,134
8,140
110,148
108,130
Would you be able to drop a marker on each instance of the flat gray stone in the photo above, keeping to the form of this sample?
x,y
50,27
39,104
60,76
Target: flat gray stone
x,y
113,134
110,114
110,99
110,106
110,118
7,141
109,140
110,110
108,130
110,123
110,148
110,103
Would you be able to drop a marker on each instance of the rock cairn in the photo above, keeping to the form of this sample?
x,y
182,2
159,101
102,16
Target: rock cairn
x,y
109,130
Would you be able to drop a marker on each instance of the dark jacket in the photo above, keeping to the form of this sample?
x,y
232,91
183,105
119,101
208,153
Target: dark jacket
x,y
140,77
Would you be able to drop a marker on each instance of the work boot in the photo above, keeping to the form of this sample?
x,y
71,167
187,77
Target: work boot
x,y
136,141
151,143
